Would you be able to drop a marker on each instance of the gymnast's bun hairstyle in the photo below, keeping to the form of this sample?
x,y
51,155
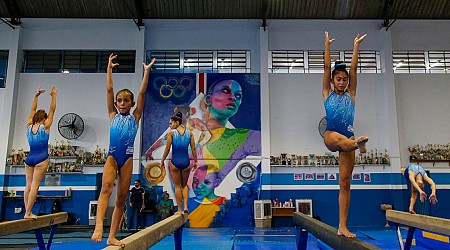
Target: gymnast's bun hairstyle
x,y
178,117
339,66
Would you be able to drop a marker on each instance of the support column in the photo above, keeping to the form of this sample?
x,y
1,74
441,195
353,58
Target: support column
x,y
9,104
265,107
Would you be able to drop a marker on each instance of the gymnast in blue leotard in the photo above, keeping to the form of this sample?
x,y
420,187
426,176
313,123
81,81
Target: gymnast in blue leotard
x,y
179,139
36,163
38,145
339,92
122,132
416,175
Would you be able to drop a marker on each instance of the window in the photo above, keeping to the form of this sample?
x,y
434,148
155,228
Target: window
x,y
439,61
198,61
287,62
193,61
229,61
297,61
409,61
76,61
3,67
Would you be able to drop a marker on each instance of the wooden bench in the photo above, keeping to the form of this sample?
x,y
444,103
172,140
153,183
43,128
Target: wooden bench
x,y
413,221
18,226
328,234
149,236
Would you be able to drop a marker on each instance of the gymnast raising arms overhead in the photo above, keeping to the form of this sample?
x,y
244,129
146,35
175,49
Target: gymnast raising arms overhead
x,y
339,103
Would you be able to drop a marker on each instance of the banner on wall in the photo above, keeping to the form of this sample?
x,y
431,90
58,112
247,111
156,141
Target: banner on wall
x,y
223,113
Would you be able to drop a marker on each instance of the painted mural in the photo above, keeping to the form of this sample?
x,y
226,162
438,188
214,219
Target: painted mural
x,y
223,112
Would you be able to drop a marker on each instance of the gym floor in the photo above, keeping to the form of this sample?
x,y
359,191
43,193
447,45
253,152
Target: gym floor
x,y
211,238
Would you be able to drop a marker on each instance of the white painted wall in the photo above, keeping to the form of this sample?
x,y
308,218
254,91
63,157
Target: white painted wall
x,y
205,35
423,100
294,101
423,103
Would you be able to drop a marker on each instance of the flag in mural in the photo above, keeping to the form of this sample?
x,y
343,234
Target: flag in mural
x,y
223,113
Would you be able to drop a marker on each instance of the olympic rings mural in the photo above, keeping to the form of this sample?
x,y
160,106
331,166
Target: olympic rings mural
x,y
173,86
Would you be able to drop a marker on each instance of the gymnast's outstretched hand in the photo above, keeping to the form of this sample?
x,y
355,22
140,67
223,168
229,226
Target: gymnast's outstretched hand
x,y
433,199
423,196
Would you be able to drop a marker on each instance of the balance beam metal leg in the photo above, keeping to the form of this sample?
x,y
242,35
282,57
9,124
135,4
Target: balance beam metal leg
x,y
39,239
177,238
399,236
50,237
301,238
409,238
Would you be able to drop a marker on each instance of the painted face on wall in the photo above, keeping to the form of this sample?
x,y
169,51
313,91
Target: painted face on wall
x,y
206,188
224,100
198,177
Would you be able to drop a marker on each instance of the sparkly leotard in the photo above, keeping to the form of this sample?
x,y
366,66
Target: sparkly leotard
x,y
38,145
180,154
340,110
416,168
122,133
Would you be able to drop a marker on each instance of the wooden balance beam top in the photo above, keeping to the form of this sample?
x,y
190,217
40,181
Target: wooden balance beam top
x,y
18,226
434,224
149,236
328,234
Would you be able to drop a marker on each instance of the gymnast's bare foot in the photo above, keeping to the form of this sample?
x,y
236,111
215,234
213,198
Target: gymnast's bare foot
x,y
97,235
114,242
31,217
361,142
346,233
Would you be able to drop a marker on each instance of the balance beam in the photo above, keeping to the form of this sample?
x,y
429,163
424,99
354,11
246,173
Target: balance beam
x,y
434,224
325,233
18,226
149,236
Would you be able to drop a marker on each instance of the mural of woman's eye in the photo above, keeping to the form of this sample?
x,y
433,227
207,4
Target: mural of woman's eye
x,y
207,182
226,90
238,96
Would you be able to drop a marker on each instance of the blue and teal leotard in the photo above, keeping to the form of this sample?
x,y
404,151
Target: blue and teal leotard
x,y
340,110
38,145
122,132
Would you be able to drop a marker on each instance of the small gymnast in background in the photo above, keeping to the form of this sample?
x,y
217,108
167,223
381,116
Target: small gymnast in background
x,y
415,174
36,163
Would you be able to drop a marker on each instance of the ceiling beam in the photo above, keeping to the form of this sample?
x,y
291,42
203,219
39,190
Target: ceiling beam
x,y
264,10
139,7
387,7
14,13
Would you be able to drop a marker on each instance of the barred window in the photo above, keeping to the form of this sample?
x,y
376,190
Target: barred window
x,y
409,61
198,61
193,61
232,61
287,62
3,67
76,61
439,61
312,61
125,58
166,61
316,58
